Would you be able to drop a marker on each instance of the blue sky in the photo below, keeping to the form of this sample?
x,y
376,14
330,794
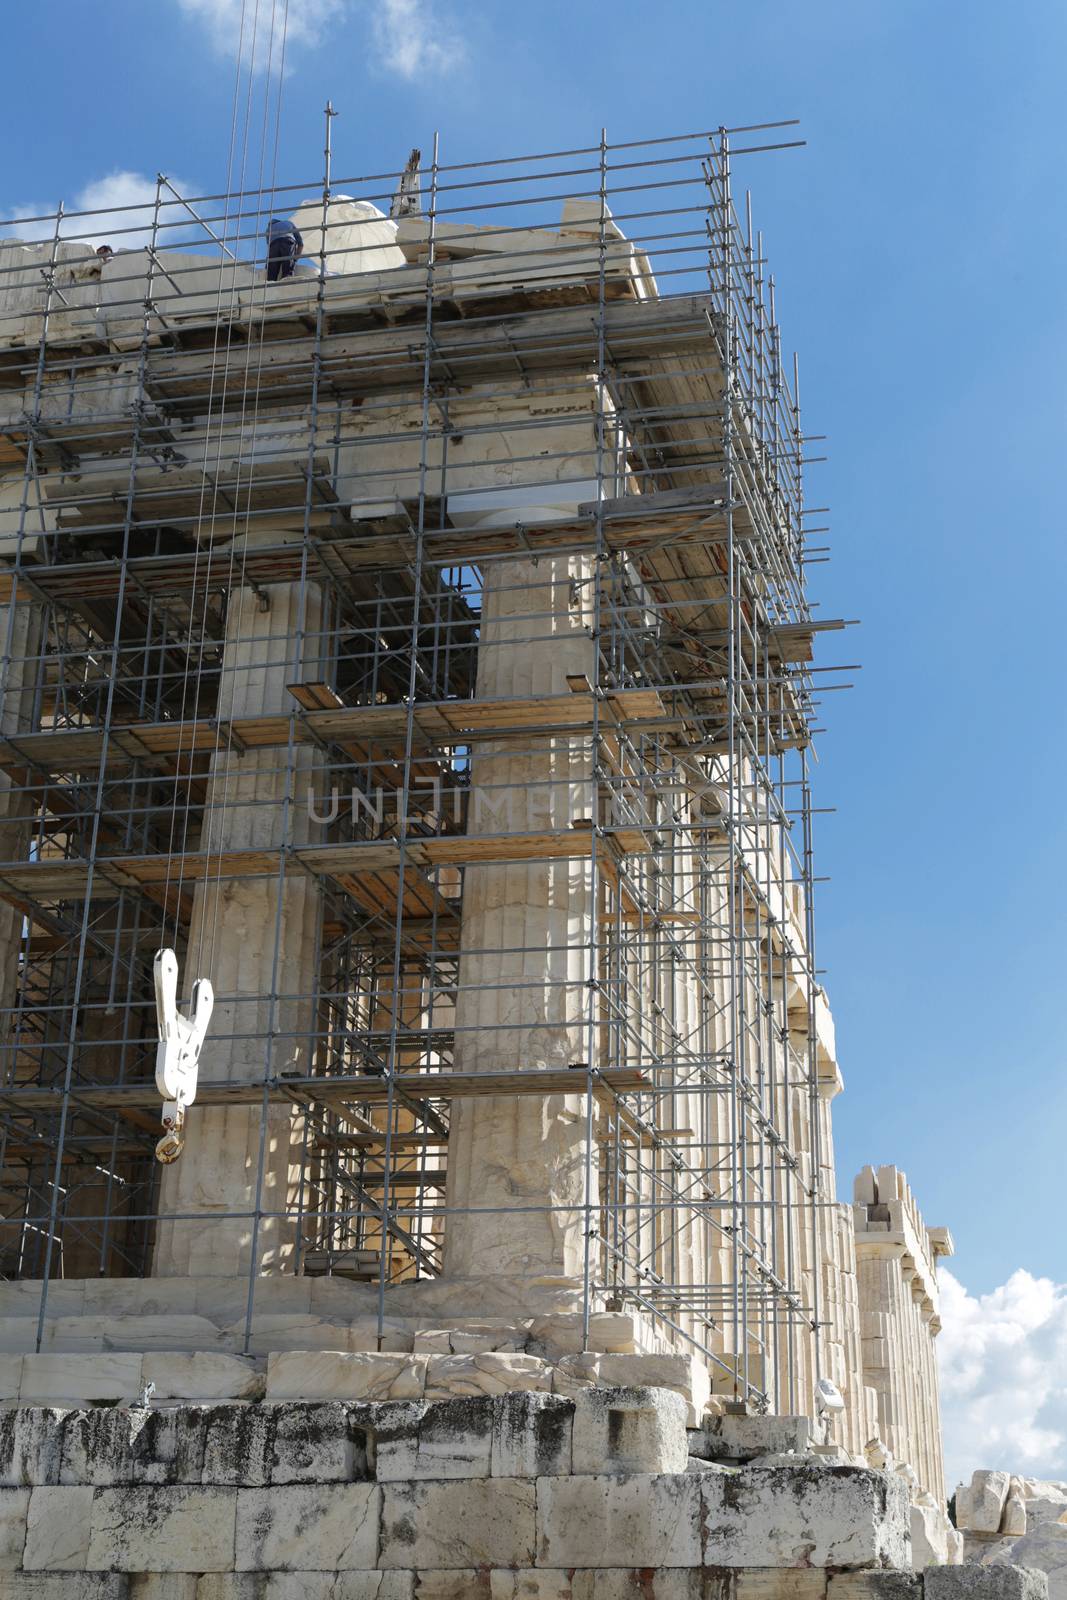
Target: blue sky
x,y
919,247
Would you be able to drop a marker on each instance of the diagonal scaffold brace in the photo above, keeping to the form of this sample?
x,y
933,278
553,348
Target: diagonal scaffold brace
x,y
178,1054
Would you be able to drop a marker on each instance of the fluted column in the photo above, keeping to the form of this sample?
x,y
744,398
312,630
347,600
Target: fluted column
x,y
257,939
523,993
896,1263
20,645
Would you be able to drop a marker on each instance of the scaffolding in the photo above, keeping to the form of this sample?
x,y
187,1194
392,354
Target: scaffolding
x,y
545,418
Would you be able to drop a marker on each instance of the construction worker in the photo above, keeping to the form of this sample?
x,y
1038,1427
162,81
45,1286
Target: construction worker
x,y
284,244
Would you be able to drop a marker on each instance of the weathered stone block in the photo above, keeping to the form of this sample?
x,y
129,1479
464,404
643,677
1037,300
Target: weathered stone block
x,y
932,1535
492,1373
316,1443
58,1525
163,1585
532,1435
607,1583
10,1376
115,1445
805,1515
391,1433
173,1331
980,1505
62,1379
308,1528
477,1522
238,1445
328,1586
458,1584
205,1376
644,1520
999,1582
781,1583
453,1439
64,1586
344,1375
31,1445
1013,1522
14,1506
629,1430
873,1585
737,1438
171,1529
685,1374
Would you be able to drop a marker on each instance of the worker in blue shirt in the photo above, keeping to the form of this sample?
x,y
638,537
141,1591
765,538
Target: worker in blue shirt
x,y
284,244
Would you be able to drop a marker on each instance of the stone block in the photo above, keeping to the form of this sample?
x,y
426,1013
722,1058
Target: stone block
x,y
391,1435
115,1445
1013,1521
1043,1549
781,1583
736,1438
279,1331
476,1522
495,1372
532,1435
18,1335
873,1585
629,1430
163,1585
642,1520
58,1525
932,1535
607,1583
685,1374
317,1443
206,1376
809,1515
308,1528
10,1376
453,1584
345,1375
336,1586
432,1342
320,1586
999,1582
610,1332
452,1439
14,1506
31,1445
50,1380
573,1373
238,1445
174,1331
64,1586
233,1585
168,1529
980,1504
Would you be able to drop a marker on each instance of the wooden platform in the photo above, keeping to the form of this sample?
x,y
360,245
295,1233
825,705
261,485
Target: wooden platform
x,y
336,1093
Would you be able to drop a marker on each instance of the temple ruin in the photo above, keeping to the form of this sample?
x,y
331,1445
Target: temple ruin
x,y
419,645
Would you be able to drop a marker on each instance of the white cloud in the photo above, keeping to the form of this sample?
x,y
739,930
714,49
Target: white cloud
x,y
1003,1360
231,24
411,38
106,197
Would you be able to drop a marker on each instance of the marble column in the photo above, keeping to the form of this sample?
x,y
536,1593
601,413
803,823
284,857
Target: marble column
x,y
523,998
896,1260
20,643
257,939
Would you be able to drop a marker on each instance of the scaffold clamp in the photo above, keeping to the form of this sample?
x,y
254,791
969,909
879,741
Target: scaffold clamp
x,y
178,1055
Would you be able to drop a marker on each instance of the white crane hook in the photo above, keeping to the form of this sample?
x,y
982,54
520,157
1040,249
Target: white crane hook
x,y
178,1054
